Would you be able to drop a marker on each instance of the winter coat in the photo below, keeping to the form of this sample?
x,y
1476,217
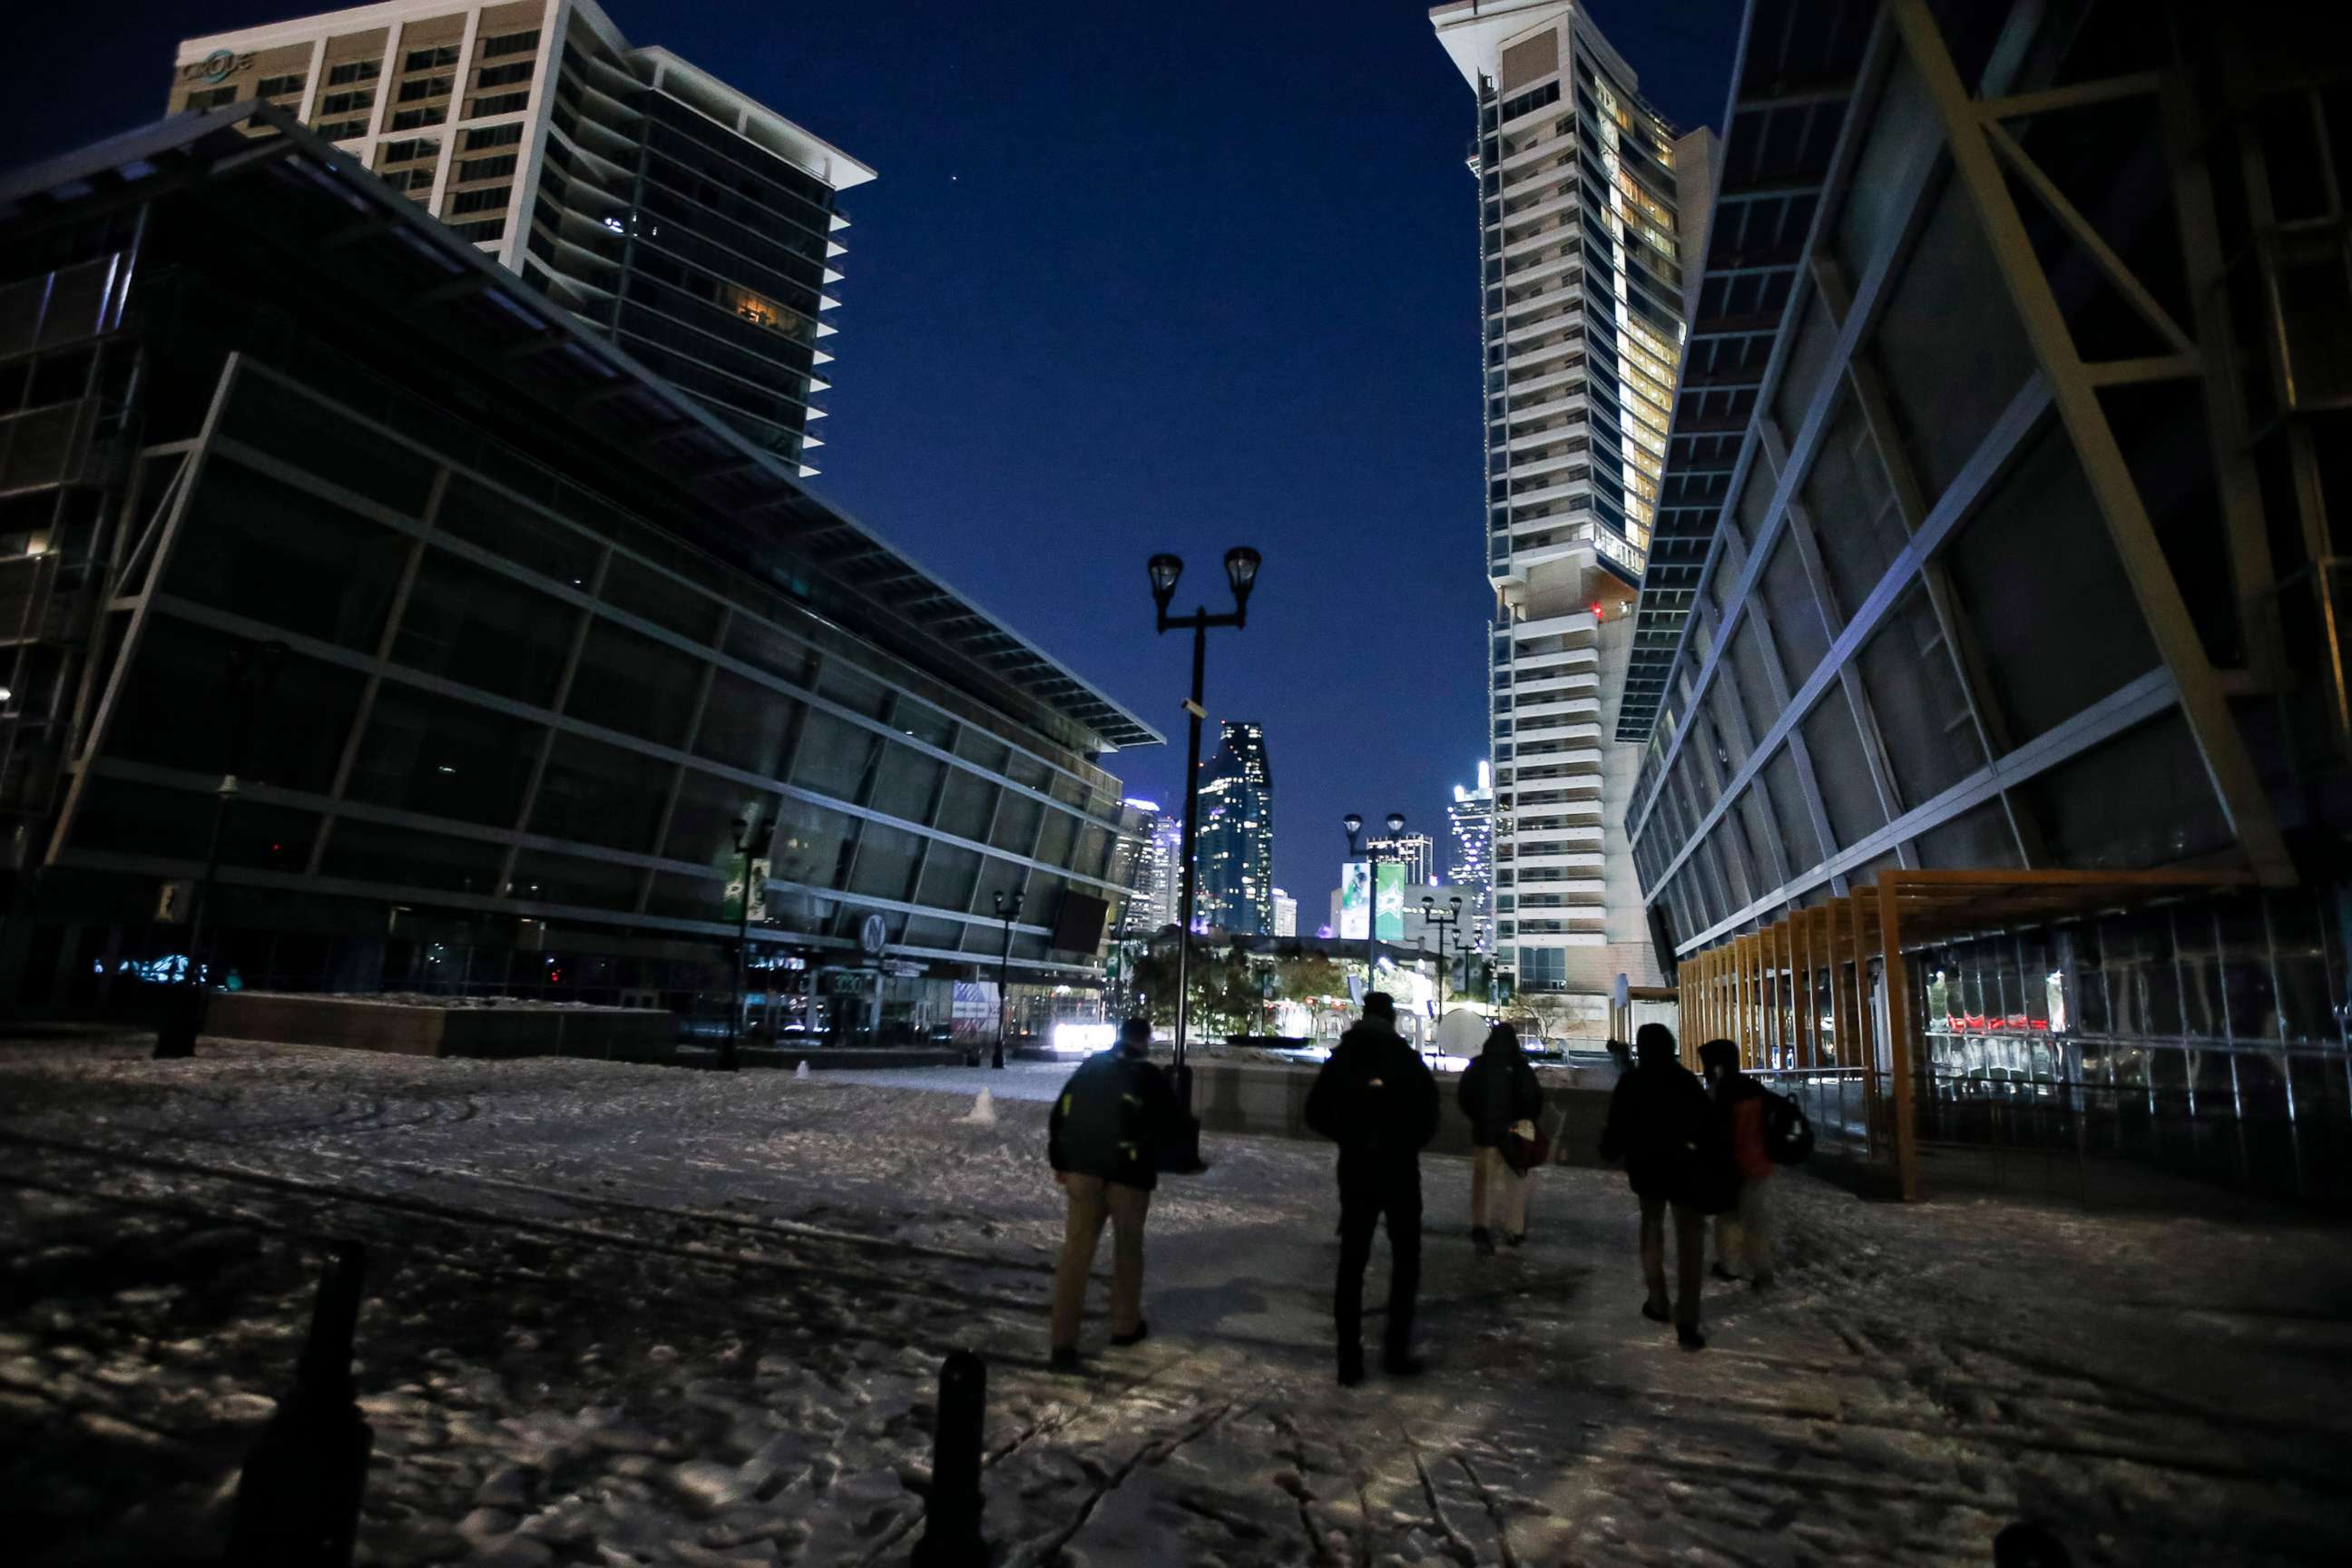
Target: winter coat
x,y
1112,1119
1740,1102
1495,1092
1375,1097
1664,1128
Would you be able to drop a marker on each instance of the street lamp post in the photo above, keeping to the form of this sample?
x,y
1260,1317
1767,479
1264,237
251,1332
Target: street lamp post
x,y
754,824
252,666
1443,922
1373,857
1241,577
1008,910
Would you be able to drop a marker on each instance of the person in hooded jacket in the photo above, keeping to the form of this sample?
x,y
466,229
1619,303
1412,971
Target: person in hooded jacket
x,y
1104,1141
1663,1129
1744,1233
1497,1091
1376,1098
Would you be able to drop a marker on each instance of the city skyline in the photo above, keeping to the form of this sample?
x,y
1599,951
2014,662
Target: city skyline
x,y
952,422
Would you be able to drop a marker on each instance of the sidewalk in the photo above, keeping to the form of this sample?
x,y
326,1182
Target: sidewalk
x,y
626,1314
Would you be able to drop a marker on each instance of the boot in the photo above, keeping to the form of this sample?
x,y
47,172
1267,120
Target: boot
x,y
1351,1367
1484,1240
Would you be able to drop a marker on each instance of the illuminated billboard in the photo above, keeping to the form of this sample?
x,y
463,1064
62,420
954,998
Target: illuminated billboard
x,y
1388,885
1355,900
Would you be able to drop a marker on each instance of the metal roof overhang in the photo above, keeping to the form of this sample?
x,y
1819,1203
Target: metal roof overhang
x,y
589,382
1798,64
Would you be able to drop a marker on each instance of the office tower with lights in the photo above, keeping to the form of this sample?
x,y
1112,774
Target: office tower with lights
x,y
1582,224
1470,822
1286,914
1234,857
671,213
1159,847
1417,852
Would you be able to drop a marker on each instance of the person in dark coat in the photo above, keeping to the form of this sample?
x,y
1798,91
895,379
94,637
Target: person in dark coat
x,y
1663,1127
1498,1090
1104,1141
1376,1098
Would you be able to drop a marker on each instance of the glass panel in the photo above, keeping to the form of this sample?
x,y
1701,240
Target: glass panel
x,y
1054,841
1847,793
639,590
836,756
176,711
543,878
853,688
809,844
764,647
259,548
706,823
1916,698
474,512
1803,847
745,725
631,683
596,794
2097,809
949,875
467,624
885,867
403,858
906,782
434,754
1016,823
2041,585
290,424
967,806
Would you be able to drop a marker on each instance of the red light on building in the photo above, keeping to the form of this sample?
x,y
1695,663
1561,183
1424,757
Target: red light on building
x,y
1596,609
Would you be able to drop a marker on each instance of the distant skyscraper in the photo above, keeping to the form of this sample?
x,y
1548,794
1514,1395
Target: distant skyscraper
x,y
1286,914
1160,837
1417,851
1585,212
1471,818
1236,856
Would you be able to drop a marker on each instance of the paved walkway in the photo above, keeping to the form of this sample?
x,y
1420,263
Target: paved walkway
x,y
624,1314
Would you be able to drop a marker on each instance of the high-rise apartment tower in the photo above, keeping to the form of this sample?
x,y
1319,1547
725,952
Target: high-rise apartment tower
x,y
675,214
1582,221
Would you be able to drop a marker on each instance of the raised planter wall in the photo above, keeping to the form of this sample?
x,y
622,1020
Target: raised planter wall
x,y
366,1023
1270,1102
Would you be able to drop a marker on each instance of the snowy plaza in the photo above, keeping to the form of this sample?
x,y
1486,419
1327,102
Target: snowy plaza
x,y
624,1314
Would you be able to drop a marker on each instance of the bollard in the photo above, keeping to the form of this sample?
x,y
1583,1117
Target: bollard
x,y
297,1501
952,1536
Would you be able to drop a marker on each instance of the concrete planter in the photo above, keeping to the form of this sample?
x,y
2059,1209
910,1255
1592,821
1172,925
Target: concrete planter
x,y
422,1029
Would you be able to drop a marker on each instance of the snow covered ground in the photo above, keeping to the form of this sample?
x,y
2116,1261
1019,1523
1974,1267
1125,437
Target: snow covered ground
x,y
624,1314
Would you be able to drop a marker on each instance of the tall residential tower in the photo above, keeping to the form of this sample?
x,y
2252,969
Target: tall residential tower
x,y
686,221
1582,221
1235,854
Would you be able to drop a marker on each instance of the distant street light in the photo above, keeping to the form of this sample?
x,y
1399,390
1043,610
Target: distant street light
x,y
1008,910
1241,577
1443,922
1373,858
251,668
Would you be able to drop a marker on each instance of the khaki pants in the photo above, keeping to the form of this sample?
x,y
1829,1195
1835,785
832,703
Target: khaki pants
x,y
1690,1256
1498,1194
1743,1237
1092,1201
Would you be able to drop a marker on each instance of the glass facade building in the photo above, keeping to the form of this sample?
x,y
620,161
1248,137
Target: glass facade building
x,y
1994,592
541,633
689,222
1586,205
1470,825
1234,858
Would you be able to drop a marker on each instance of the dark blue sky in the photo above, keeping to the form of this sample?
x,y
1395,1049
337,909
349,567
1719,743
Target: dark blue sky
x,y
1133,278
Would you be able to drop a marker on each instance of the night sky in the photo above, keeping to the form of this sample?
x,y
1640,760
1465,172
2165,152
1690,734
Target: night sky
x,y
1133,279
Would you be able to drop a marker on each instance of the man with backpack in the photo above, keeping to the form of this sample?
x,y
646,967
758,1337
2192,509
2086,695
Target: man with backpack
x,y
1661,1125
1758,1125
1104,1140
1375,1098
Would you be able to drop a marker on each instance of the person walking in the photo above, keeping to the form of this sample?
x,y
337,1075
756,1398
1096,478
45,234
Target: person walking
x,y
1664,1131
1498,1093
1744,1231
1104,1141
1376,1098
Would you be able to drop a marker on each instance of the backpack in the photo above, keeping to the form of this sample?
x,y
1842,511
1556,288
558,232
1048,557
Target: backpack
x,y
1788,1135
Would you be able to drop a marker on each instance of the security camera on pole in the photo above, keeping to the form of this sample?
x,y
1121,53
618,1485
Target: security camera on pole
x,y
1241,575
